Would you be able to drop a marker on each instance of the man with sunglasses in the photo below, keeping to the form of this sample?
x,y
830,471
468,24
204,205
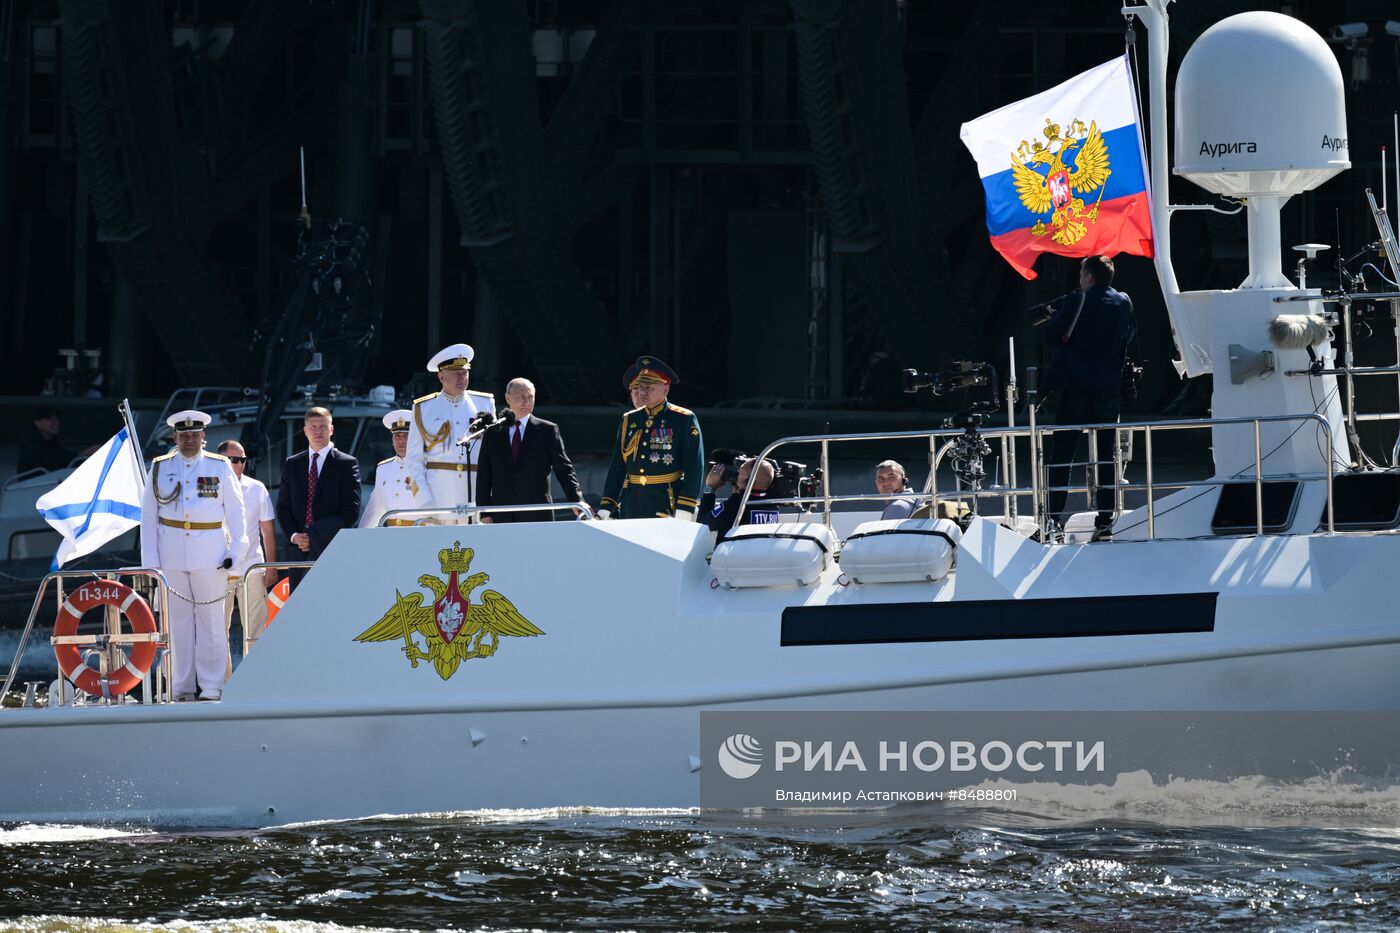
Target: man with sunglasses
x,y
262,541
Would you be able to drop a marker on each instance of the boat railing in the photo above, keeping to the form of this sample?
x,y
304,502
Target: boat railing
x,y
249,639
472,513
28,474
107,644
940,440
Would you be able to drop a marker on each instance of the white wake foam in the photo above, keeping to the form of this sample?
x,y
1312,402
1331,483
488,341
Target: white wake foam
x,y
30,833
1322,800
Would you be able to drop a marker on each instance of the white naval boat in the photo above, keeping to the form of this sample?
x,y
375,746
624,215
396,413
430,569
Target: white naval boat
x,y
474,666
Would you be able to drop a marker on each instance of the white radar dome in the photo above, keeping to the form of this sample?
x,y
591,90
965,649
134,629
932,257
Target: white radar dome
x,y
1260,108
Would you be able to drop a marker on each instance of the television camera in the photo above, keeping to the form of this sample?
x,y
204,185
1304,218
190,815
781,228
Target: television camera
x,y
969,450
791,480
794,482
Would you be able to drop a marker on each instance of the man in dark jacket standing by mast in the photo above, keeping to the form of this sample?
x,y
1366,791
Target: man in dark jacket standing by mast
x,y
1089,332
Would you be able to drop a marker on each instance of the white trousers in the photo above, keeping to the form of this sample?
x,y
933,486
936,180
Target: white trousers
x,y
254,615
450,489
198,640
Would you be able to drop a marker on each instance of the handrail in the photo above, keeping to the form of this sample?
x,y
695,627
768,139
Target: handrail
x,y
30,473
471,509
243,590
1339,299
1039,491
162,626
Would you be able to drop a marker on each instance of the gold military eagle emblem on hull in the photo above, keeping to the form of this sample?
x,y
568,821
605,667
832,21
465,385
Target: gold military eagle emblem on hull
x,y
1054,191
452,628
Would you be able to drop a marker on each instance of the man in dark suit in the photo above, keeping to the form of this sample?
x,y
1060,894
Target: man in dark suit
x,y
1089,330
319,493
517,456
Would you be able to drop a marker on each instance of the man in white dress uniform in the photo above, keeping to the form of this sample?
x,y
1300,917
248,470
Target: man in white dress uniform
x,y
193,530
394,486
446,473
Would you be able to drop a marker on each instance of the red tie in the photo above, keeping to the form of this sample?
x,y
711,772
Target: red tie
x,y
311,479
515,444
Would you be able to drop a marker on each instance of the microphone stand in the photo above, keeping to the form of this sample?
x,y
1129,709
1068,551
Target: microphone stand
x,y
476,435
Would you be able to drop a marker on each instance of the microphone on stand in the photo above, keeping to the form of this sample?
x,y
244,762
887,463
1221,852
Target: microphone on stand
x,y
482,422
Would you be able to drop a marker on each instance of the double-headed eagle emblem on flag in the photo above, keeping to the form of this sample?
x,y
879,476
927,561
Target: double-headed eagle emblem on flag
x,y
1054,191
453,629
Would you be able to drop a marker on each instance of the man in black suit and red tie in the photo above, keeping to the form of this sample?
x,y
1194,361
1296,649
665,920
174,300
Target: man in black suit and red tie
x,y
319,493
517,455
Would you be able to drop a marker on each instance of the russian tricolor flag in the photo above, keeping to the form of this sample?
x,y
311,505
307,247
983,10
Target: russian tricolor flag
x,y
1064,170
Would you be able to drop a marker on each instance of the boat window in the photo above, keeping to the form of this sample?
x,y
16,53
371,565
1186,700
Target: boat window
x,y
41,543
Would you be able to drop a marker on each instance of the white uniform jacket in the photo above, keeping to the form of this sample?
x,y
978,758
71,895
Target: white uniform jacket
x,y
444,472
192,514
394,488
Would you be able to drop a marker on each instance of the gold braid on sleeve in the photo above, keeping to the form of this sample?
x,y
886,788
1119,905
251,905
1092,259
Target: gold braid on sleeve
x,y
431,440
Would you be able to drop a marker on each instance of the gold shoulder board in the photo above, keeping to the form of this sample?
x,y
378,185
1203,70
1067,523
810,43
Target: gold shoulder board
x,y
386,460
679,410
214,456
164,456
418,401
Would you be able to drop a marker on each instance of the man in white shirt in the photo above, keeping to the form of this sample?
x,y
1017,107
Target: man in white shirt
x,y
443,471
262,541
192,530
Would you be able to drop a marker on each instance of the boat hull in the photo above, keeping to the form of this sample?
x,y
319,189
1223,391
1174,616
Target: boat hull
x,y
603,708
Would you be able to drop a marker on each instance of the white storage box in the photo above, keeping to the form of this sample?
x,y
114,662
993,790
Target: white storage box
x,y
1079,527
901,551
773,555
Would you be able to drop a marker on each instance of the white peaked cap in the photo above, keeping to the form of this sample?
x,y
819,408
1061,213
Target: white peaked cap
x,y
457,356
188,420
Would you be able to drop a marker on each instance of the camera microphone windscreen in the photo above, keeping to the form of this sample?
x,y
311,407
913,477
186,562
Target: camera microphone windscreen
x,y
1297,331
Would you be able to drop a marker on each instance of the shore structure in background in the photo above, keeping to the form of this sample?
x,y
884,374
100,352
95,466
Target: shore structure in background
x,y
394,485
261,527
517,457
193,529
443,469
1081,190
319,493
658,460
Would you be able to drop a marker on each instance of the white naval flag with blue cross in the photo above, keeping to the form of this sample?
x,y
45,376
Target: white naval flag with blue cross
x,y
99,501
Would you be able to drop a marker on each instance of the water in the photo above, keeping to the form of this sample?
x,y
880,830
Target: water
x,y
1067,865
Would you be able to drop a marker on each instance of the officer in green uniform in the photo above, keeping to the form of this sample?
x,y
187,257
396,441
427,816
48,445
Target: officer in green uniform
x,y
658,462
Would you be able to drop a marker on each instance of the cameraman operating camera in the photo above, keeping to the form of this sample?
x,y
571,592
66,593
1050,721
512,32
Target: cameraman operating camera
x,y
719,516
1089,331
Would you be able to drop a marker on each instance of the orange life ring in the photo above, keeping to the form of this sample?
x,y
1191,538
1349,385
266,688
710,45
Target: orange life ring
x,y
277,598
138,616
